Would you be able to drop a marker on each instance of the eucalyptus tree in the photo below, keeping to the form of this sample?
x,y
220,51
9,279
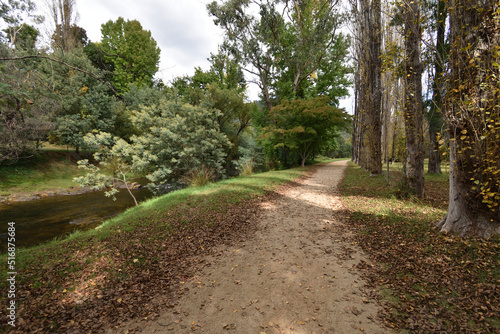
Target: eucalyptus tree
x,y
279,43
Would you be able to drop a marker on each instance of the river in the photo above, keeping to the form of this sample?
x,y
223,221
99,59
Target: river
x,y
44,219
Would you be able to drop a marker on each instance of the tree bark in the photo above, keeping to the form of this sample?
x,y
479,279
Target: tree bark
x,y
435,117
460,219
434,156
470,100
375,77
413,101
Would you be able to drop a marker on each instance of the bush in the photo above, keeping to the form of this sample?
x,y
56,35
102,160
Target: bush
x,y
199,177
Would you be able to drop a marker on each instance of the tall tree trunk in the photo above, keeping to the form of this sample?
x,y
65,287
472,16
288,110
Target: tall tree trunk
x,y
435,117
472,104
459,218
375,94
434,155
368,118
413,101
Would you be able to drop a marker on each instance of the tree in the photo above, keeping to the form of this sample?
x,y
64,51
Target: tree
x,y
284,45
413,109
79,103
67,35
368,114
177,139
303,126
15,14
473,113
114,153
133,52
24,118
434,116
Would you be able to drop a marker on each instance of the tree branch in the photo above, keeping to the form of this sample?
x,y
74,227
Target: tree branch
x,y
65,64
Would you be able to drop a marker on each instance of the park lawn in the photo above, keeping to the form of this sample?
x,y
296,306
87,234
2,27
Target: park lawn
x,y
428,281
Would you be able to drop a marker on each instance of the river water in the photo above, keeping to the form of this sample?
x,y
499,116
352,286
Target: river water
x,y
44,219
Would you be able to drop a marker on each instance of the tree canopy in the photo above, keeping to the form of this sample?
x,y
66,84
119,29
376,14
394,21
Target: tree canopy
x,y
132,51
304,125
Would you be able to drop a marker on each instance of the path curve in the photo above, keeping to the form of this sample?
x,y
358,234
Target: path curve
x,y
296,275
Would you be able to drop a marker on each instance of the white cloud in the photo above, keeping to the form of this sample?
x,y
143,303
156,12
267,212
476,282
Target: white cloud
x,y
182,29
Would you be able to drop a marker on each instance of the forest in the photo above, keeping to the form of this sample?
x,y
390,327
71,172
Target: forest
x,y
423,77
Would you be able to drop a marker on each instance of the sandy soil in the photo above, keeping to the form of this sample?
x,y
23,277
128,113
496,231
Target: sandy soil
x,y
296,275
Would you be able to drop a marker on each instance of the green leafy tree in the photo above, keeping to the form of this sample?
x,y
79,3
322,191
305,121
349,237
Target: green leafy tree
x,y
132,51
177,139
80,103
304,126
135,99
281,47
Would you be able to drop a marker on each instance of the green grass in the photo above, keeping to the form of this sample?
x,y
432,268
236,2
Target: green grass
x,y
432,281
322,159
50,170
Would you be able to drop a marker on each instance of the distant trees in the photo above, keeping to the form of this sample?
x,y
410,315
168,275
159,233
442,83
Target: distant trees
x,y
462,67
303,126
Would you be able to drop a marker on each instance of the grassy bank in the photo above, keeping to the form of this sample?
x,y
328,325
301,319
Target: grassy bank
x,y
51,169
429,281
136,262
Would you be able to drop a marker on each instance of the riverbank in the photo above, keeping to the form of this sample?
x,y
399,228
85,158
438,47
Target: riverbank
x,y
118,271
49,174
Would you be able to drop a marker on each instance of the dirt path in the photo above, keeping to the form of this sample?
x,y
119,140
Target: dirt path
x,y
296,275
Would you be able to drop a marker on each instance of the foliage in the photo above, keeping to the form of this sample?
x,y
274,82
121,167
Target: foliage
x,y
133,52
177,139
303,126
80,103
281,47
215,89
24,116
115,154
247,167
199,177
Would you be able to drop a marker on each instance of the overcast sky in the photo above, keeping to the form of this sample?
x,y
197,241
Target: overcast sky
x,y
182,29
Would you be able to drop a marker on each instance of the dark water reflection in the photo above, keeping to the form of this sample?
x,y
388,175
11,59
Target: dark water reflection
x,y
44,219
